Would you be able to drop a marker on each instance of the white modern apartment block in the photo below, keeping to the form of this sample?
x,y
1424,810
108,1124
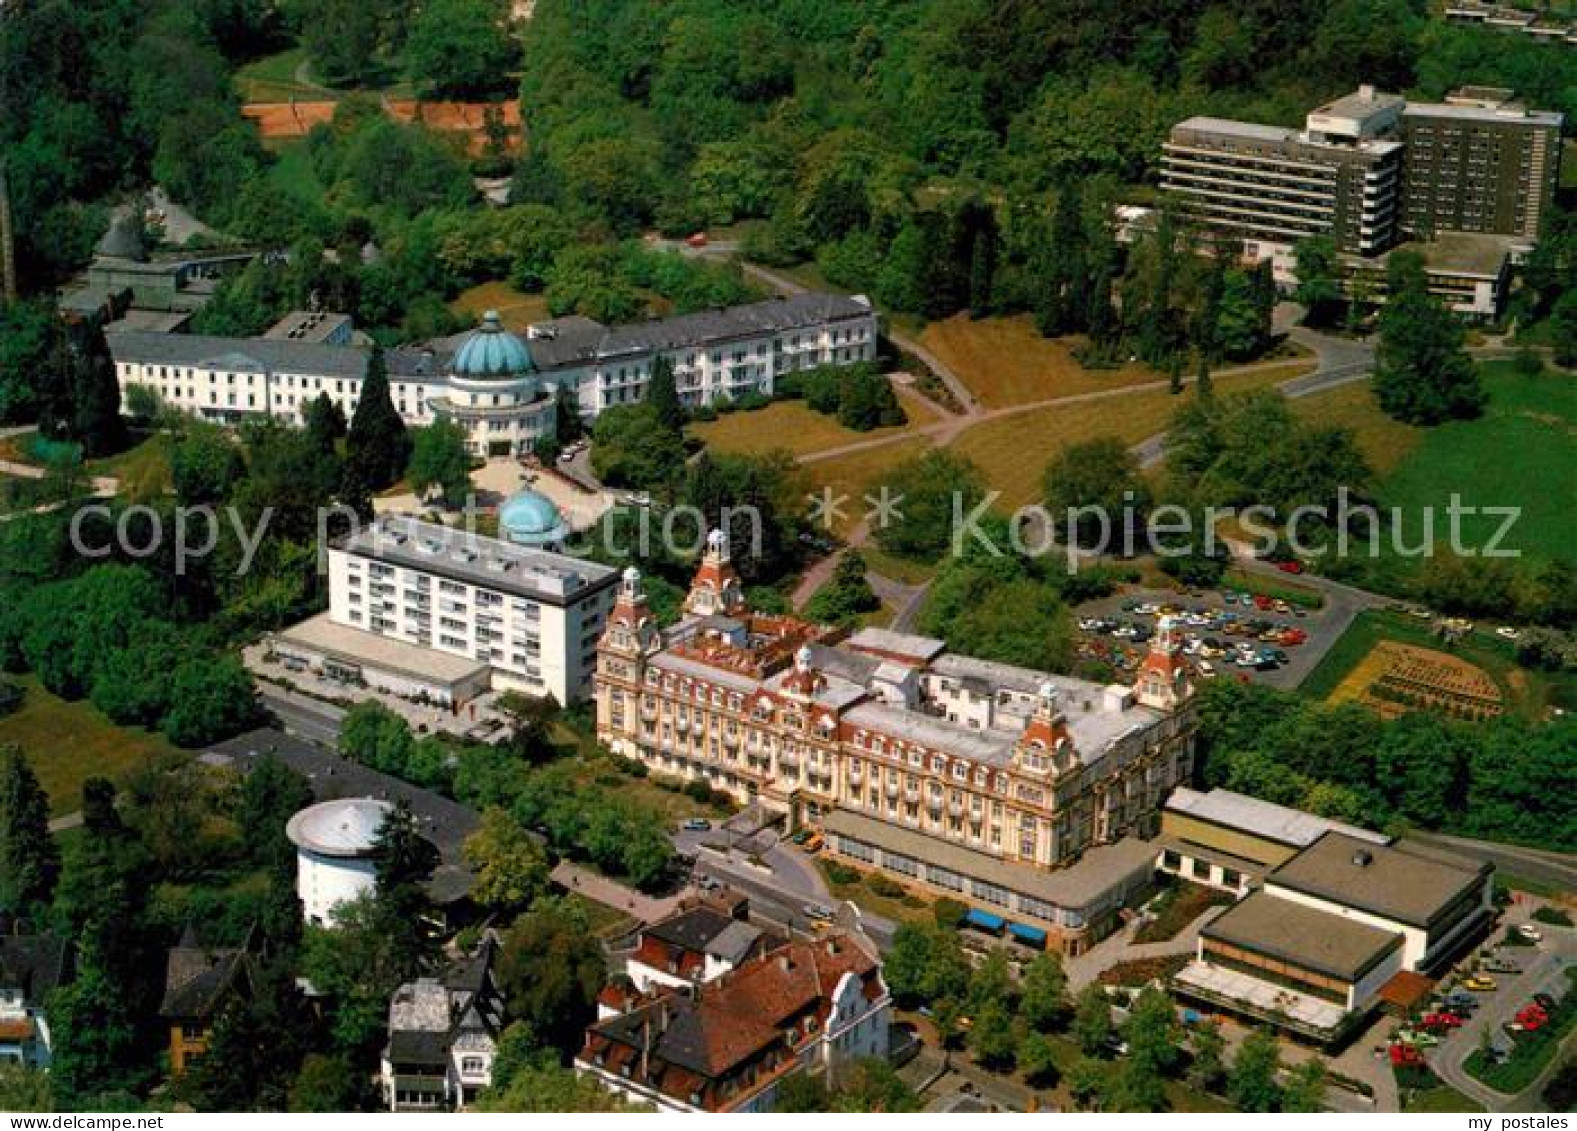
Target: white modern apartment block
x,y
500,387
441,615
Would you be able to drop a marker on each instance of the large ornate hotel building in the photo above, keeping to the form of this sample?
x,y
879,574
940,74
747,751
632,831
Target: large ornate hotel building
x,y
999,785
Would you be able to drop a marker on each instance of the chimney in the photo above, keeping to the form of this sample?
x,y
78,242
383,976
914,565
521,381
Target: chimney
x,y
1363,858
784,963
1366,92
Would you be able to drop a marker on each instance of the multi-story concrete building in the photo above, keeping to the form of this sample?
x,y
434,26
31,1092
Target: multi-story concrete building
x,y
1479,162
1339,176
999,784
1465,184
727,1044
502,388
436,614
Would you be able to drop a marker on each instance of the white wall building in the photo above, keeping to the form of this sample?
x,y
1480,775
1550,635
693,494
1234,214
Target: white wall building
x,y
501,388
334,842
429,612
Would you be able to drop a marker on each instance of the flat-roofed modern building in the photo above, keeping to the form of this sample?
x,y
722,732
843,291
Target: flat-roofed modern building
x,y
1230,841
1479,162
1335,929
1433,899
1339,176
1018,790
428,612
1467,181
1266,957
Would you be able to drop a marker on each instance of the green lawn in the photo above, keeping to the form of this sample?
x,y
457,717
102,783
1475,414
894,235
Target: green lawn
x,y
1518,454
273,79
1528,693
66,743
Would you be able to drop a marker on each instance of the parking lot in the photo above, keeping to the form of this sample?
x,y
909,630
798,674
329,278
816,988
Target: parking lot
x,y
1227,633
1497,999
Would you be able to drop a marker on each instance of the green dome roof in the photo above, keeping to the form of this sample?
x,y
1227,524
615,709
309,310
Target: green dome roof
x,y
492,352
531,518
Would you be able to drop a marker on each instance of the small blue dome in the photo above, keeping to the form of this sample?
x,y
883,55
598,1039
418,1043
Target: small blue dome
x,y
531,519
492,352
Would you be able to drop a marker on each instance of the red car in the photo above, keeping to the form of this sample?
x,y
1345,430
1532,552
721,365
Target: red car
x,y
1261,601
1441,1021
1404,1056
1290,566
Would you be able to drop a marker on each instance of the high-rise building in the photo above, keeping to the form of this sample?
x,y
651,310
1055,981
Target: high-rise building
x,y
1340,175
1479,162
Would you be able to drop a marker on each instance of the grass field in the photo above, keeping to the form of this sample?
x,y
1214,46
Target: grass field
x,y
1527,693
1013,450
1385,443
1005,361
516,309
1516,455
852,475
273,79
67,743
794,427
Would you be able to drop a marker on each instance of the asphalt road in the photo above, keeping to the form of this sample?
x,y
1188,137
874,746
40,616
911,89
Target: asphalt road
x,y
1539,864
306,718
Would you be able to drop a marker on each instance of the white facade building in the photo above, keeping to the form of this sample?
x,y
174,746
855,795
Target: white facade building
x,y
406,589
334,842
500,388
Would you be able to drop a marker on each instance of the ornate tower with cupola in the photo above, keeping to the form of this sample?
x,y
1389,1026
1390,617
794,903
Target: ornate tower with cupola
x,y
630,638
1163,682
716,588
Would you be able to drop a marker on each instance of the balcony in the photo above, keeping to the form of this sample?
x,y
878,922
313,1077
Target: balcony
x,y
649,710
789,762
856,775
911,794
933,802
955,809
892,790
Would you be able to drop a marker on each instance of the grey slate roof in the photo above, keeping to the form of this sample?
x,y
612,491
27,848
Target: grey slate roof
x,y
34,964
576,341
196,979
734,943
279,355
693,929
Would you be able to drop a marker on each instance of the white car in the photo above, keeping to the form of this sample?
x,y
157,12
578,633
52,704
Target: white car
x,y
1206,669
1506,632
1530,932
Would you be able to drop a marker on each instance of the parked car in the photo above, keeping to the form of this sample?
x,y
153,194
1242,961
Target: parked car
x,y
1480,984
1441,1021
1293,566
818,911
1417,1038
1529,932
1404,1056
697,825
1500,966
1506,632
